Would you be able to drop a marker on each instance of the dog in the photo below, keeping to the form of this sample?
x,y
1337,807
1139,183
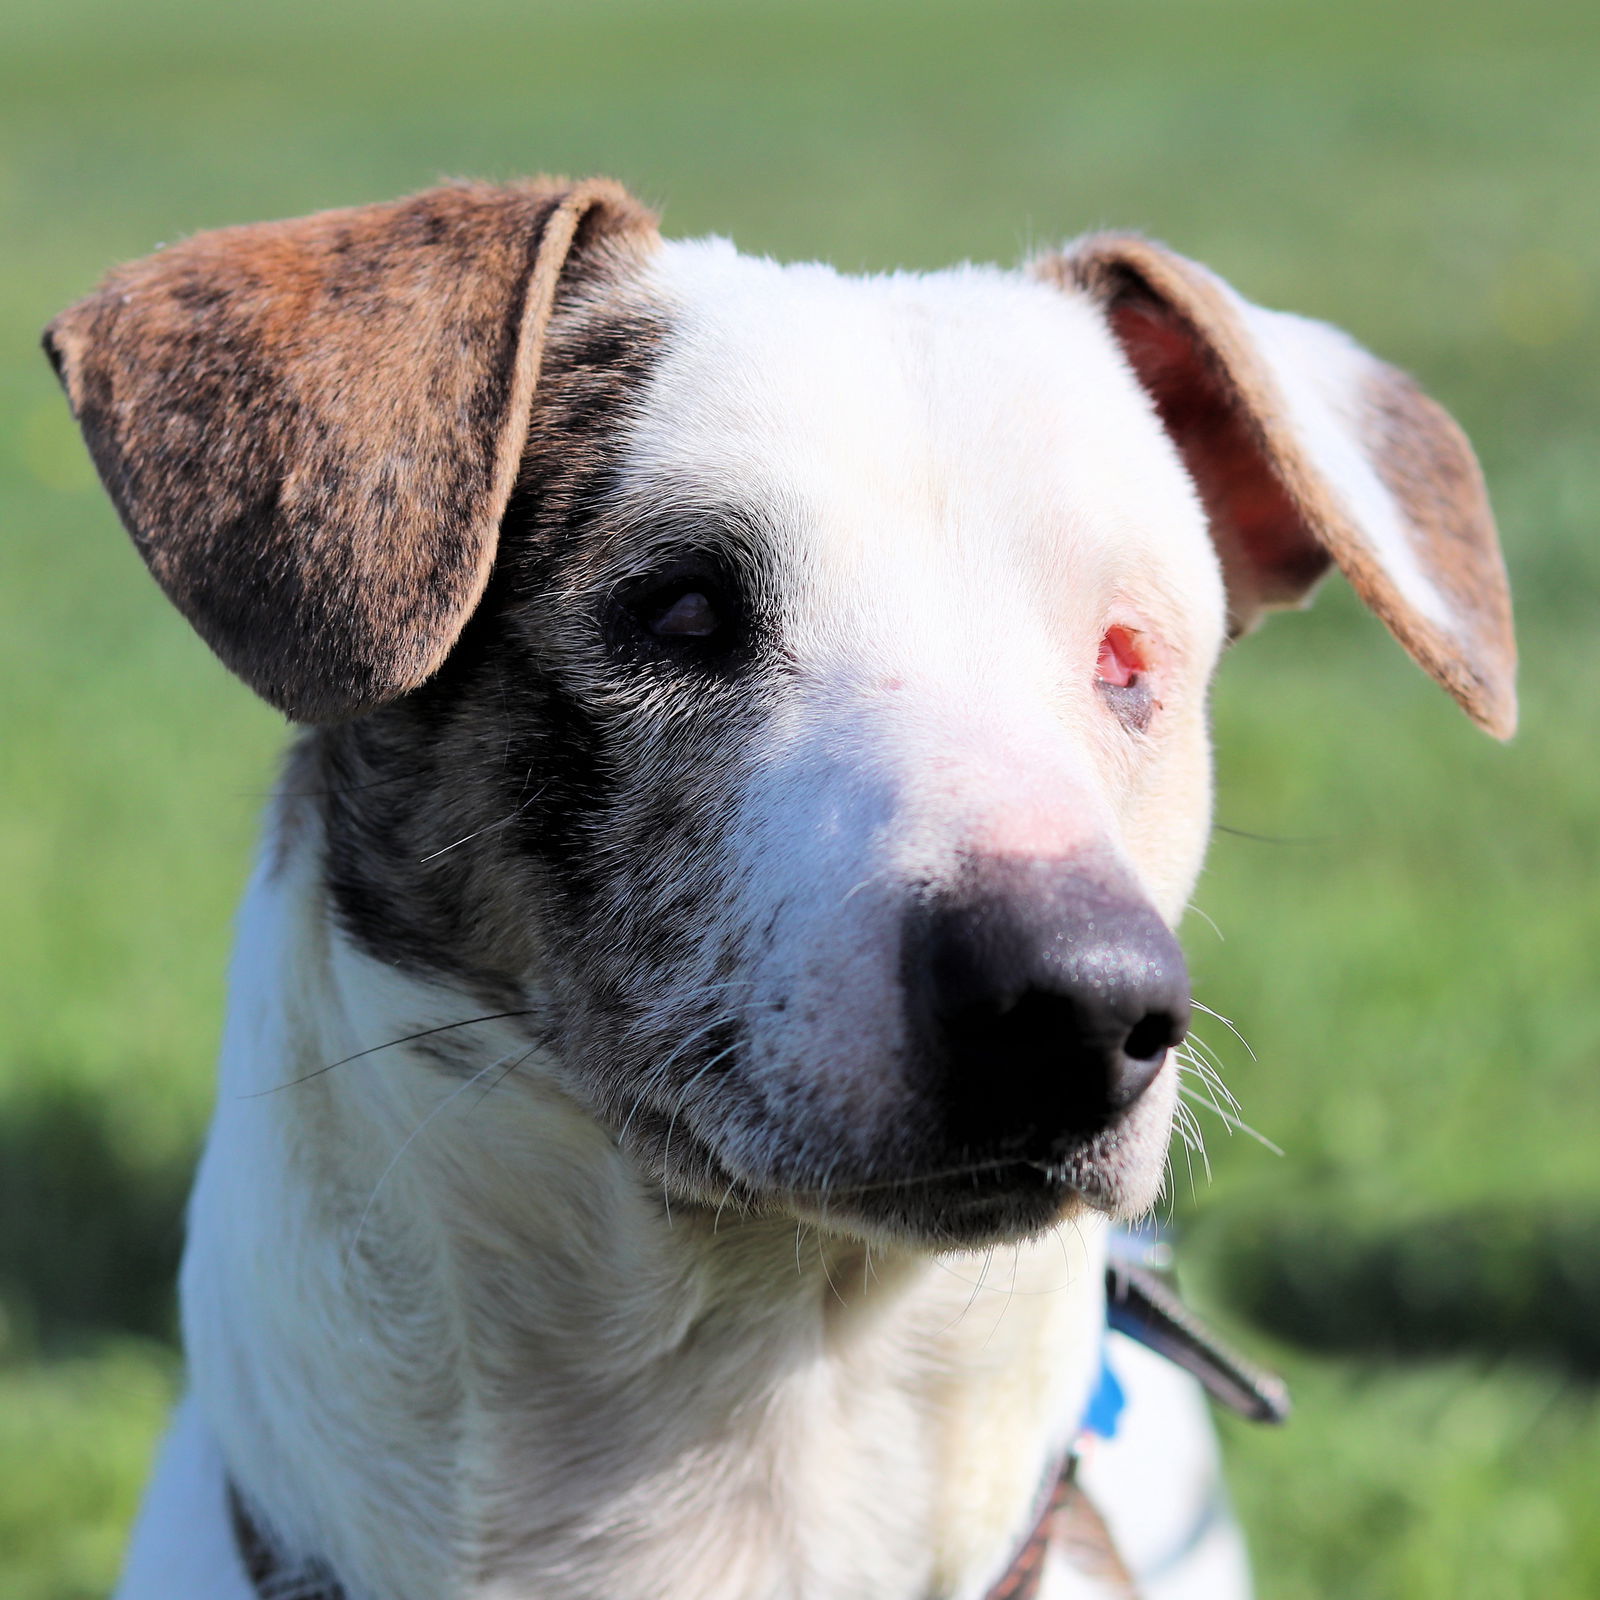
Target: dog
x,y
753,755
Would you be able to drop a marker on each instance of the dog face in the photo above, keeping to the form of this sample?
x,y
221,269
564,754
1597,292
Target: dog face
x,y
824,756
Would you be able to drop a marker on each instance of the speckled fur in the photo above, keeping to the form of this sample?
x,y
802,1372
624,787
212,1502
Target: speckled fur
x,y
321,421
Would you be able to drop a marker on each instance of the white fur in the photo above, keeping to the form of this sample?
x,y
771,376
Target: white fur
x,y
971,486
1322,373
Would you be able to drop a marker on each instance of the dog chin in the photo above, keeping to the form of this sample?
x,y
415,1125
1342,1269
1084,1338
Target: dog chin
x,y
945,1201
929,1199
940,1215
1004,1203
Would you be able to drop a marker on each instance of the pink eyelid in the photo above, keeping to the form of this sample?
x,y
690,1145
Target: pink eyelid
x,y
1121,660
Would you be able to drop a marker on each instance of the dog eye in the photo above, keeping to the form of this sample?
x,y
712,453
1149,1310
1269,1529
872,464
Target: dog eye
x,y
692,615
1120,661
1120,678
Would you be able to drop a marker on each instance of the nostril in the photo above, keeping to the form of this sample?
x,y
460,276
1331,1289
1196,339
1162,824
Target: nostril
x,y
1152,1036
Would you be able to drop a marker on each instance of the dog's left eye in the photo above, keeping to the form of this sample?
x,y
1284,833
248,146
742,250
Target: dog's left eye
x,y
1121,677
1120,661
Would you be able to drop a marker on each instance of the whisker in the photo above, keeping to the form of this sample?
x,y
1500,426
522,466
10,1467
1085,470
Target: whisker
x,y
348,788
658,1074
972,1169
822,1260
865,883
1228,1119
1167,1200
488,827
371,1050
1200,1049
977,1289
1196,1066
1268,838
1226,1024
1010,1295
677,999
498,1081
409,1140
1202,1062
1194,1139
1188,1161
672,1122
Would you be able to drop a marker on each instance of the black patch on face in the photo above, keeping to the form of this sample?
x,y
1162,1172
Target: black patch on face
x,y
550,806
419,797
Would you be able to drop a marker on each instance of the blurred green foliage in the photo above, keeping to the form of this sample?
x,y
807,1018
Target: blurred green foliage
x,y
1411,951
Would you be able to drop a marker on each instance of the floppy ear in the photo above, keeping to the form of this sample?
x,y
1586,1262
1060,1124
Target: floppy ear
x,y
1307,449
312,428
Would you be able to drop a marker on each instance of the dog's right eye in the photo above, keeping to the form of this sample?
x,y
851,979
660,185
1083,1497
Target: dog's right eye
x,y
688,612
691,614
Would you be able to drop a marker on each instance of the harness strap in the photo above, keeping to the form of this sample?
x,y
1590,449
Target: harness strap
x,y
1143,1305
1071,1523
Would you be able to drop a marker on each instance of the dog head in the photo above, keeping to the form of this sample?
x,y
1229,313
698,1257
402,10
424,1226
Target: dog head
x,y
791,686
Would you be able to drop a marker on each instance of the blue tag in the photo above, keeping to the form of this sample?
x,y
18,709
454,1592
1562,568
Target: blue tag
x,y
1105,1404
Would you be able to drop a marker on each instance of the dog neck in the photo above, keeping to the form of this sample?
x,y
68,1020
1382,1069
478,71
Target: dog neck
x,y
450,1341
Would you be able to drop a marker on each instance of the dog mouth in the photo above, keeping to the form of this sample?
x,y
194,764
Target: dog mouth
x,y
914,1171
998,1200
927,1180
961,1203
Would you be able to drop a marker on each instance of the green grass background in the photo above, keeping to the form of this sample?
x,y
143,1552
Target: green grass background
x,y
1412,955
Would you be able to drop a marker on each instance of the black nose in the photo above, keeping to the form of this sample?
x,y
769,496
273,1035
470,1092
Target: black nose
x,y
1042,1003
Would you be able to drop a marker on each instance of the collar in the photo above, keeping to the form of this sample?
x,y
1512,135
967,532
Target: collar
x,y
1068,1519
1141,1303
273,1575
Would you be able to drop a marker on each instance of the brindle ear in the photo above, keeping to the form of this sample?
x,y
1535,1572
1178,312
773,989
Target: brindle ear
x,y
311,428
1305,448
